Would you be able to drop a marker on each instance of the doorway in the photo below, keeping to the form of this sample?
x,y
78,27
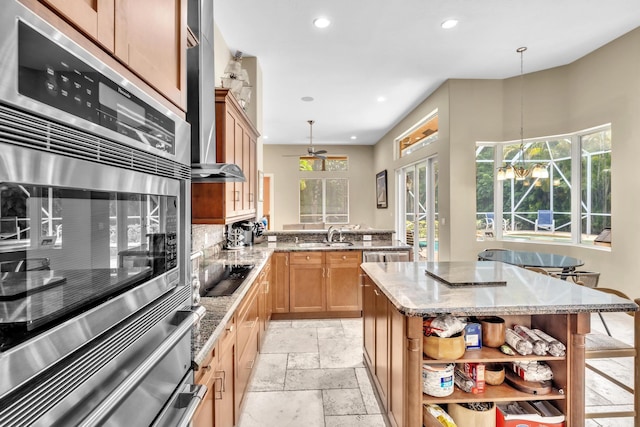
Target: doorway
x,y
418,208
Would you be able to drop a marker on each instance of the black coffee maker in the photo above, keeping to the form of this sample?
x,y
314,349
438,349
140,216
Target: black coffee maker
x,y
248,229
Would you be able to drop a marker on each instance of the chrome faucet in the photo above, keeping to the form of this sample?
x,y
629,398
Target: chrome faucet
x,y
330,232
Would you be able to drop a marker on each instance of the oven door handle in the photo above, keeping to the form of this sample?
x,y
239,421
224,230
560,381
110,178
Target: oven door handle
x,y
125,388
196,397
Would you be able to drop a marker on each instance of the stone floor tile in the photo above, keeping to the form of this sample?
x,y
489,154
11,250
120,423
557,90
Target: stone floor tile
x,y
290,340
320,379
343,401
331,332
270,372
282,409
278,324
340,353
303,361
316,323
368,395
376,420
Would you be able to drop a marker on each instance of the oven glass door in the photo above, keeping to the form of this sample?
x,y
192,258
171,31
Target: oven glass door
x,y
66,250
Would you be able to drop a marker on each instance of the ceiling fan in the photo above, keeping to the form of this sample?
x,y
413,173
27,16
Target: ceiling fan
x,y
311,152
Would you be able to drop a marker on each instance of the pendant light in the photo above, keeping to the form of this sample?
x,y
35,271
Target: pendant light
x,y
519,171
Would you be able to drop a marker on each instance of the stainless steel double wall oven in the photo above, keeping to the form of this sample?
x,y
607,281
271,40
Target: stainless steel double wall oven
x,y
95,301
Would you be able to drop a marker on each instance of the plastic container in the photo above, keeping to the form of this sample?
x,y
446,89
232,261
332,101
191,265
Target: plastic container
x,y
437,380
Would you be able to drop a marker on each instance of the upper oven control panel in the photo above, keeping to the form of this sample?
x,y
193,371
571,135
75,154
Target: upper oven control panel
x,y
50,74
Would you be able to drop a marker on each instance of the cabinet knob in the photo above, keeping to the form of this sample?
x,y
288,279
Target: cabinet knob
x,y
308,258
344,257
230,328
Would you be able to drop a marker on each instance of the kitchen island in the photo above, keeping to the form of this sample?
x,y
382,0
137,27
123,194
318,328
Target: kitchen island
x,y
396,297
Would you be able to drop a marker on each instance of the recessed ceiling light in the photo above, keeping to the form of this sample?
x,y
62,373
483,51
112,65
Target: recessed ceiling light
x,y
354,137
321,22
265,137
381,99
307,98
449,23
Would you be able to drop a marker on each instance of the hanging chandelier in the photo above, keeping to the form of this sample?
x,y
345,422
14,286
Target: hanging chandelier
x,y
518,170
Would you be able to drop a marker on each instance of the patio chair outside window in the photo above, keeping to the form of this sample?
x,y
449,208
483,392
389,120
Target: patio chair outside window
x,y
490,221
545,221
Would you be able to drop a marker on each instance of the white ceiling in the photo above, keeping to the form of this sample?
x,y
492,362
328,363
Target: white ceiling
x,y
397,49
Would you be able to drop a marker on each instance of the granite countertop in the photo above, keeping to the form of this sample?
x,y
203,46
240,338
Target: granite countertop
x,y
220,309
414,293
387,245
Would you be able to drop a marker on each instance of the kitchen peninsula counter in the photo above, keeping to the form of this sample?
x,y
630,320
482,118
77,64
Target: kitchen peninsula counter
x,y
396,297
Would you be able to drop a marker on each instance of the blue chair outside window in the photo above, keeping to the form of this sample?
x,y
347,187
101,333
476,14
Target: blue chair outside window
x,y
545,221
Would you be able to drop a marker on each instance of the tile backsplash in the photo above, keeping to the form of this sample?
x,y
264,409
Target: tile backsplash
x,y
205,236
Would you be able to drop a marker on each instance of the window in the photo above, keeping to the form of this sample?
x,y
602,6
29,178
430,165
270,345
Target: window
x,y
517,206
324,200
422,133
331,163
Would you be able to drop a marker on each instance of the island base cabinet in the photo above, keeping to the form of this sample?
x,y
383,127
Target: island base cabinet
x,y
393,355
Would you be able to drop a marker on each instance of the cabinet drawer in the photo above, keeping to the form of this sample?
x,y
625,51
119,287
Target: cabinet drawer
x,y
227,338
204,373
306,258
343,257
248,317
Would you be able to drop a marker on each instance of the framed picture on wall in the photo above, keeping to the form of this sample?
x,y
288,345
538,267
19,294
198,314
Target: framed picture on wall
x,y
381,189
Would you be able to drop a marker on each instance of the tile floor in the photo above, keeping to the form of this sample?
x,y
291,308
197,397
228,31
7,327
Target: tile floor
x,y
311,373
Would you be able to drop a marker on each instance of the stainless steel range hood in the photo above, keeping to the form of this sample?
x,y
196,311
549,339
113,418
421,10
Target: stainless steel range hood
x,y
201,100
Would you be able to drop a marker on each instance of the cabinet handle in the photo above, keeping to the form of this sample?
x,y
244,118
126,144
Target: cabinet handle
x,y
251,362
286,261
375,291
206,368
267,287
251,197
230,328
236,196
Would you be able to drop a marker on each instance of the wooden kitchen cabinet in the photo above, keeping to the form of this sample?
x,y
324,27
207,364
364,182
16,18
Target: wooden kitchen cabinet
x,y
317,282
381,364
264,302
343,281
156,53
307,292
247,336
236,139
95,18
224,378
280,279
205,414
369,321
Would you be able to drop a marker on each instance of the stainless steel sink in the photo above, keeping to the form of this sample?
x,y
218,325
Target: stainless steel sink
x,y
312,245
324,244
340,244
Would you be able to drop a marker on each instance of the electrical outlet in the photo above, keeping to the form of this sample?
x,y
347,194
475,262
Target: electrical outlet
x,y
366,237
272,238
206,276
206,239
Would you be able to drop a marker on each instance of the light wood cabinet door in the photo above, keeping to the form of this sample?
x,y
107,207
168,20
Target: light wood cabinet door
x,y
397,383
280,279
382,345
151,38
307,282
343,281
205,414
95,18
369,321
223,391
228,202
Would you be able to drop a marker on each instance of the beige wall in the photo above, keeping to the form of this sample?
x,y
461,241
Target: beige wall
x,y
603,87
286,178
